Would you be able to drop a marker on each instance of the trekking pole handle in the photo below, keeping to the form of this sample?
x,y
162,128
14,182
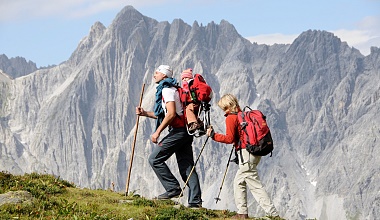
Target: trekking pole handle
x,y
212,133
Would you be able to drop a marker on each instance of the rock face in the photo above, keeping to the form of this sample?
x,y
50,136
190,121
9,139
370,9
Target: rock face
x,y
16,67
321,98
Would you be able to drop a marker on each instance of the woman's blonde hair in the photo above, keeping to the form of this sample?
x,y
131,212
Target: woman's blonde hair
x,y
230,102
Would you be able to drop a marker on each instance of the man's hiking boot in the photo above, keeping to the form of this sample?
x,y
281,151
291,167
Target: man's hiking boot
x,y
194,205
169,195
240,216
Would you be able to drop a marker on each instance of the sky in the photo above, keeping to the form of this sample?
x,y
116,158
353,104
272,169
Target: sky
x,y
46,32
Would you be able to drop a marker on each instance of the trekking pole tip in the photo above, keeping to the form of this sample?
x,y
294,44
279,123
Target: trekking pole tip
x,y
217,200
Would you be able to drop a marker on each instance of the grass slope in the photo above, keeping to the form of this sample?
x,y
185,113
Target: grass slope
x,y
55,198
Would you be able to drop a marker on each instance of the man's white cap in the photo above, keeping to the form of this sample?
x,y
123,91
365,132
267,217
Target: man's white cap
x,y
165,69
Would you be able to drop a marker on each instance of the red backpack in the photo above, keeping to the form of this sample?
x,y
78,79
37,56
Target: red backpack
x,y
255,134
200,91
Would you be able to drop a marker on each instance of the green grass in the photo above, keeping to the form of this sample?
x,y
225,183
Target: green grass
x,y
58,199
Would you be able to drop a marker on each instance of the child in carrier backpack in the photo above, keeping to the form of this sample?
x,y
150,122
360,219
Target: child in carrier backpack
x,y
191,107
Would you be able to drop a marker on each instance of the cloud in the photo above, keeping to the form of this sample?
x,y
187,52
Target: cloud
x,y
360,39
97,6
365,35
21,10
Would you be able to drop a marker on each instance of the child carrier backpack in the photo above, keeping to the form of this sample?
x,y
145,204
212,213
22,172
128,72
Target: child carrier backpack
x,y
255,134
199,93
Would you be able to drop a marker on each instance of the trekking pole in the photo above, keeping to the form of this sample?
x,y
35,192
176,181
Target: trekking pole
x,y
134,142
225,172
191,172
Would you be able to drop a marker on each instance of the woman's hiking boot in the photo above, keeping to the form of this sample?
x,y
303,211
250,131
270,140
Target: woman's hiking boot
x,y
194,205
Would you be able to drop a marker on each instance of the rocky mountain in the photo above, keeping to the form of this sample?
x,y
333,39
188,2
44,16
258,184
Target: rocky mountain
x,y
77,120
17,66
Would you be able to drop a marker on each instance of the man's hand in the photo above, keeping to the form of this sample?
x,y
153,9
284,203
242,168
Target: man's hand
x,y
140,111
155,137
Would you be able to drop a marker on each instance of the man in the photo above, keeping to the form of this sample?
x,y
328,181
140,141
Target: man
x,y
168,112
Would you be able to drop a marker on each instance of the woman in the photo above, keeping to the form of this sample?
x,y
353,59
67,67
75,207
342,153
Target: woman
x,y
247,172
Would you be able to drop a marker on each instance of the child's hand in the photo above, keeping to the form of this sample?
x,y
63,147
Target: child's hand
x,y
210,132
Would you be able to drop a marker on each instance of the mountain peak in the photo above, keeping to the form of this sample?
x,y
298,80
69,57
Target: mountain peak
x,y
316,35
127,13
318,42
16,66
97,30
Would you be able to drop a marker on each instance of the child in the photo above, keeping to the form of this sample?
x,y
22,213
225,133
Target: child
x,y
187,77
247,175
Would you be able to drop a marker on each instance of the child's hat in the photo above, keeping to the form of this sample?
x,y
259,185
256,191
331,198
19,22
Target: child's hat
x,y
187,73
